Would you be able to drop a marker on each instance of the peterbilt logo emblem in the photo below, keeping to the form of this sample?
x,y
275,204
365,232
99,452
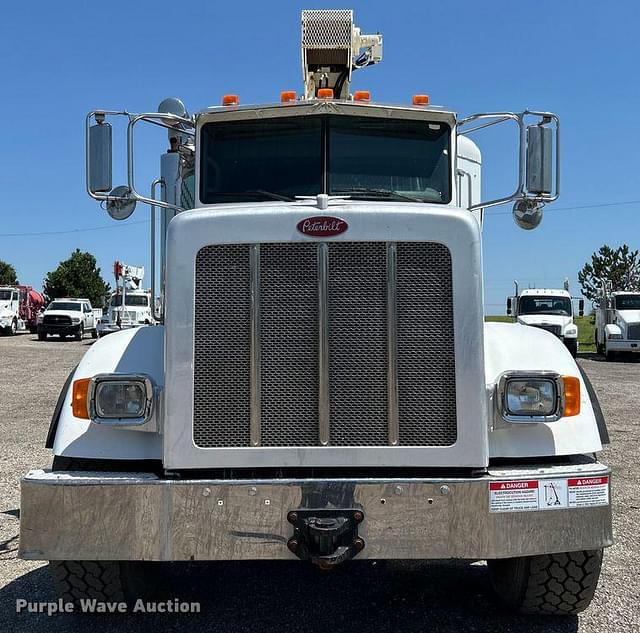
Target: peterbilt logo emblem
x,y
322,226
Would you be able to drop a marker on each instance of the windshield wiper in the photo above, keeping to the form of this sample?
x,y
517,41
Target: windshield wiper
x,y
381,193
269,195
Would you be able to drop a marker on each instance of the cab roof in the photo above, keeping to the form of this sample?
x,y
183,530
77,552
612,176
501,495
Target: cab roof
x,y
547,292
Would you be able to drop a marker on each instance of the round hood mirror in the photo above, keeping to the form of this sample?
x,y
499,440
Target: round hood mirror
x,y
527,214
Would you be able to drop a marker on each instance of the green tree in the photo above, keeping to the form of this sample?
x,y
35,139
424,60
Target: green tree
x,y
8,275
620,268
77,276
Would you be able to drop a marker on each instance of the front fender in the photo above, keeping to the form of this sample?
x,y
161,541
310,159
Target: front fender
x,y
139,350
612,330
511,346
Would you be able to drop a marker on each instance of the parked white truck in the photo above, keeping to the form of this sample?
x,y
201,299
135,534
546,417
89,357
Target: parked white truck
x,y
67,317
549,309
324,386
617,316
130,305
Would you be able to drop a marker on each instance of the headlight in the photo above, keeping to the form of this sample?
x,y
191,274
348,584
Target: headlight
x,y
120,399
614,336
75,319
571,331
537,396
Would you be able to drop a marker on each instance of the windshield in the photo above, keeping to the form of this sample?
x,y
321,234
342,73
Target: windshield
x,y
65,305
362,157
545,305
628,302
130,300
5,295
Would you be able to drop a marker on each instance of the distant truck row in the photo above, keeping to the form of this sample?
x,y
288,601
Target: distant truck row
x,y
617,317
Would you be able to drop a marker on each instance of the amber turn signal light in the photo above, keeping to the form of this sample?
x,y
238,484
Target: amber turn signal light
x,y
230,100
362,95
287,96
79,402
571,396
325,93
420,100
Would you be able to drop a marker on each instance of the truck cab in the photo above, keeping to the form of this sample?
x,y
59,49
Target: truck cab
x,y
9,310
132,309
548,309
67,317
617,323
322,385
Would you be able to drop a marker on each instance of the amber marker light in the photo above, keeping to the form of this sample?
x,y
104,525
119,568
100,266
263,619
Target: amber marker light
x,y
571,396
420,100
287,96
79,403
230,100
325,93
362,95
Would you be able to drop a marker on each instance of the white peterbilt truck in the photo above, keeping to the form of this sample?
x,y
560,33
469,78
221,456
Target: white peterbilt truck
x,y
323,386
617,316
549,309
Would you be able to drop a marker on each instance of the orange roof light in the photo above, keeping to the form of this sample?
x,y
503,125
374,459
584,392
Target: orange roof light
x,y
287,96
79,403
571,396
325,93
230,100
420,100
362,95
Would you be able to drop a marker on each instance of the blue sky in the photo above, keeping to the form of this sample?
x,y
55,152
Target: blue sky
x,y
62,59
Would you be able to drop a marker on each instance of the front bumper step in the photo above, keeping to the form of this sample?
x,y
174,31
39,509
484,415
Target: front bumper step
x,y
135,516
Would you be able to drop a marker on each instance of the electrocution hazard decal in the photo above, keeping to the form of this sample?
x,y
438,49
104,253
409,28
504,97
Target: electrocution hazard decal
x,y
548,494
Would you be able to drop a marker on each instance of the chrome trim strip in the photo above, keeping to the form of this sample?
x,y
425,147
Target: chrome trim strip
x,y
255,380
392,345
323,344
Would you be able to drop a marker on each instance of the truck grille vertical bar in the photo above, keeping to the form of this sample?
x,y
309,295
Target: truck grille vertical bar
x,y
392,345
323,344
254,267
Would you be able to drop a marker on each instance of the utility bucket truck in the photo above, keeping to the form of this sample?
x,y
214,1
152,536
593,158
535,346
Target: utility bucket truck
x,y
549,309
617,322
323,386
130,305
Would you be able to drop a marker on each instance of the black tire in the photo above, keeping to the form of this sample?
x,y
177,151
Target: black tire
x,y
63,337
609,356
551,584
80,333
105,581
13,328
599,346
572,346
94,333
42,336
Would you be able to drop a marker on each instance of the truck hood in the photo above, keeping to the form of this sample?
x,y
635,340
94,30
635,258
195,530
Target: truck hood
x,y
544,319
628,316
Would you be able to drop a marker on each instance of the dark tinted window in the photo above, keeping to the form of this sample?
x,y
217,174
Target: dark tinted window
x,y
545,305
628,302
130,300
65,305
281,156
406,157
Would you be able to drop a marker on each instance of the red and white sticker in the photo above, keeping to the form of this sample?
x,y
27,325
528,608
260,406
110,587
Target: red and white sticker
x,y
548,494
588,491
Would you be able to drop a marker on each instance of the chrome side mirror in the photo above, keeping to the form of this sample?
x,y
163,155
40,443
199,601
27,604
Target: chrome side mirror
x,y
527,213
99,156
539,165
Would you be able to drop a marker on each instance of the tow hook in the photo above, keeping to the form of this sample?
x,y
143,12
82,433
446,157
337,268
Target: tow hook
x,y
325,537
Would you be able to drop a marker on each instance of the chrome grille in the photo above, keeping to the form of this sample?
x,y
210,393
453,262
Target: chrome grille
x,y
264,314
633,332
56,319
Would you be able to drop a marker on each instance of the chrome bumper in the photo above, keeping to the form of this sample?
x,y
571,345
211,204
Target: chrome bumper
x,y
623,346
133,516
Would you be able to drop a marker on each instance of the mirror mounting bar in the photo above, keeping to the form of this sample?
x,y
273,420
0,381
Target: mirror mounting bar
x,y
182,125
521,192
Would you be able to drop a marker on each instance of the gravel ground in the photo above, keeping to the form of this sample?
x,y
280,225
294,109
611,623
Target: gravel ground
x,y
279,596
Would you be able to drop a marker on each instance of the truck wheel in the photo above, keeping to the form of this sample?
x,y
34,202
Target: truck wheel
x,y
599,346
105,581
553,584
42,336
609,355
572,346
80,333
13,328
94,333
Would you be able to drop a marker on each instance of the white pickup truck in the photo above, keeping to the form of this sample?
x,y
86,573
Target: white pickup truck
x,y
67,317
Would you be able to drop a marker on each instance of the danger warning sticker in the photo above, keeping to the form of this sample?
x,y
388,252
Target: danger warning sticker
x,y
589,491
548,494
